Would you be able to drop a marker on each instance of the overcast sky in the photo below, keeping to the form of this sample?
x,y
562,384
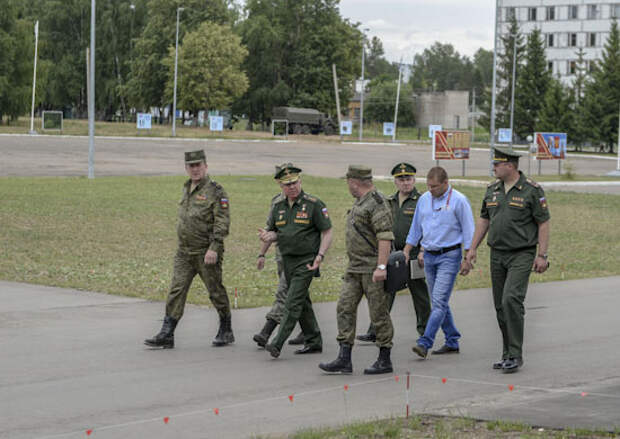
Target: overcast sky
x,y
407,27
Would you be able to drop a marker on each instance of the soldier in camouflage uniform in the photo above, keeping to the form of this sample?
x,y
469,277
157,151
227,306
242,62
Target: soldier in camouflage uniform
x,y
203,223
403,204
301,226
515,213
369,238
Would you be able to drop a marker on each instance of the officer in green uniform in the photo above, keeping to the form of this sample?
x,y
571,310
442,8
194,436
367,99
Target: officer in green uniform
x,y
516,216
274,316
301,226
369,238
203,223
403,204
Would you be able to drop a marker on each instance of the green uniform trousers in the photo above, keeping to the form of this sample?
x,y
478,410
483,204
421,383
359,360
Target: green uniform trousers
x,y
510,274
298,306
277,309
354,287
185,269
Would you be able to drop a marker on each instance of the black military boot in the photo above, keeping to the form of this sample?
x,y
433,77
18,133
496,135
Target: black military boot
x,y
262,337
342,364
370,335
224,334
298,339
382,365
165,337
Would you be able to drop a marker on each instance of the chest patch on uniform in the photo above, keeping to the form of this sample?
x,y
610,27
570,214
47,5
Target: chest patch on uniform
x,y
518,199
224,203
280,223
491,203
201,197
512,203
301,214
301,221
409,211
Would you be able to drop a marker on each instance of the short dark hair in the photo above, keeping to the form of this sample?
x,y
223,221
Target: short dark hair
x,y
437,173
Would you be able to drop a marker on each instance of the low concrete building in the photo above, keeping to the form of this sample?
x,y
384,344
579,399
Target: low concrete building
x,y
449,108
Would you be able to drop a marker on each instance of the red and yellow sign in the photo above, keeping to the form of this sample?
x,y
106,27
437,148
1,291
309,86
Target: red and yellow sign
x,y
451,145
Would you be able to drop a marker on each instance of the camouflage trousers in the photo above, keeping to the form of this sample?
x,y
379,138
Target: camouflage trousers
x,y
354,287
185,269
277,309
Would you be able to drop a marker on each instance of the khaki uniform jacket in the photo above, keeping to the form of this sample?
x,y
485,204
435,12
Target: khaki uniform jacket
x,y
402,217
204,218
372,216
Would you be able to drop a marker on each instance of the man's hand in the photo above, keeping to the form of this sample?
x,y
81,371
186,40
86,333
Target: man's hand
x,y
465,268
471,256
210,257
540,264
379,275
267,236
260,263
316,263
421,259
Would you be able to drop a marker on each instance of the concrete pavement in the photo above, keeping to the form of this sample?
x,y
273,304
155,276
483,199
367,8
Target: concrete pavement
x,y
74,361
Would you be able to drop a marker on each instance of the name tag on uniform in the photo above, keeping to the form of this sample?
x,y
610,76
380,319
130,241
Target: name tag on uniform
x,y
280,223
491,203
512,203
301,221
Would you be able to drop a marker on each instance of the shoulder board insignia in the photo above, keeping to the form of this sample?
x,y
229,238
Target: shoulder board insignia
x,y
378,198
493,182
532,182
310,198
277,197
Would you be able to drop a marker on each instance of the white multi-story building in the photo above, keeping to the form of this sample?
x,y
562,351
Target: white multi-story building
x,y
566,26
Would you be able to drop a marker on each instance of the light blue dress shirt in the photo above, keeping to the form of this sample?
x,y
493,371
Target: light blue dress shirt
x,y
442,222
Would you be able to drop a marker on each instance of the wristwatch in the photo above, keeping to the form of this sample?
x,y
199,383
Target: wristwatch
x,y
544,256
381,267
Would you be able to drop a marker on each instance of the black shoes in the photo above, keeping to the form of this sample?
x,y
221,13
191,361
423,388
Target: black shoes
x,y
445,349
421,351
512,365
262,337
309,350
499,364
342,364
165,338
273,350
370,335
382,365
224,334
299,339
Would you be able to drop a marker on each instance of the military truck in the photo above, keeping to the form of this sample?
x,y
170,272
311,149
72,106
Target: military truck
x,y
305,120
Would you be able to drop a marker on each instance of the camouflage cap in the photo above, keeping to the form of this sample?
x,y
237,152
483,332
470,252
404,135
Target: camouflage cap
x,y
505,154
287,173
360,172
195,156
403,169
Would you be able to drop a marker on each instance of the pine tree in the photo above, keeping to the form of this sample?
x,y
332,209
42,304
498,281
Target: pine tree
x,y
532,85
578,133
556,114
602,96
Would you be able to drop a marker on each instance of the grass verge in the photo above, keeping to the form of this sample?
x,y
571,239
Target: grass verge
x,y
117,235
425,426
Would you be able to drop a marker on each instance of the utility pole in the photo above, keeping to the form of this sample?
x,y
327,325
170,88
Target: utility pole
x,y
492,130
473,115
337,97
176,62
91,95
362,95
512,96
34,76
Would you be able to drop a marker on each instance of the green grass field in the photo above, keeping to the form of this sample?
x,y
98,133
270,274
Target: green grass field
x,y
441,427
117,235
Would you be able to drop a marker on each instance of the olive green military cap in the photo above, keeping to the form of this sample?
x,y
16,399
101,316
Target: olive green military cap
x,y
403,169
195,156
505,154
287,173
359,171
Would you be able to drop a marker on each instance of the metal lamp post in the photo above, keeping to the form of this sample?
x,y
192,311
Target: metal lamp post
x,y
362,93
176,62
34,76
512,96
492,130
91,102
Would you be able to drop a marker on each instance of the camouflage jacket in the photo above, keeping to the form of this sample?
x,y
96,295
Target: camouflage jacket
x,y
204,217
368,221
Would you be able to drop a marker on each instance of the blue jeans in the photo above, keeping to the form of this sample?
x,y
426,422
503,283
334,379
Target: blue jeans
x,y
441,271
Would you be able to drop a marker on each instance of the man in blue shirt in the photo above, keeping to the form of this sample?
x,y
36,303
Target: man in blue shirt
x,y
443,224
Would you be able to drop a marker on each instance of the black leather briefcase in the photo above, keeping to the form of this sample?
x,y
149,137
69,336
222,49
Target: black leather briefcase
x,y
397,272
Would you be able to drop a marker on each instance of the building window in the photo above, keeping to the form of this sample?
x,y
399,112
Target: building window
x,y
572,40
550,13
590,66
531,14
593,12
511,13
549,40
550,66
572,67
573,12
591,39
615,10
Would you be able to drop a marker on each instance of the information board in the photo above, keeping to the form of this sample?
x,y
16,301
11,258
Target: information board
x,y
451,145
346,128
550,146
143,121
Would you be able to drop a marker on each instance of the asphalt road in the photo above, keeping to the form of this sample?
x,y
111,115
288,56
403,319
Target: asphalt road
x,y
24,155
74,361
